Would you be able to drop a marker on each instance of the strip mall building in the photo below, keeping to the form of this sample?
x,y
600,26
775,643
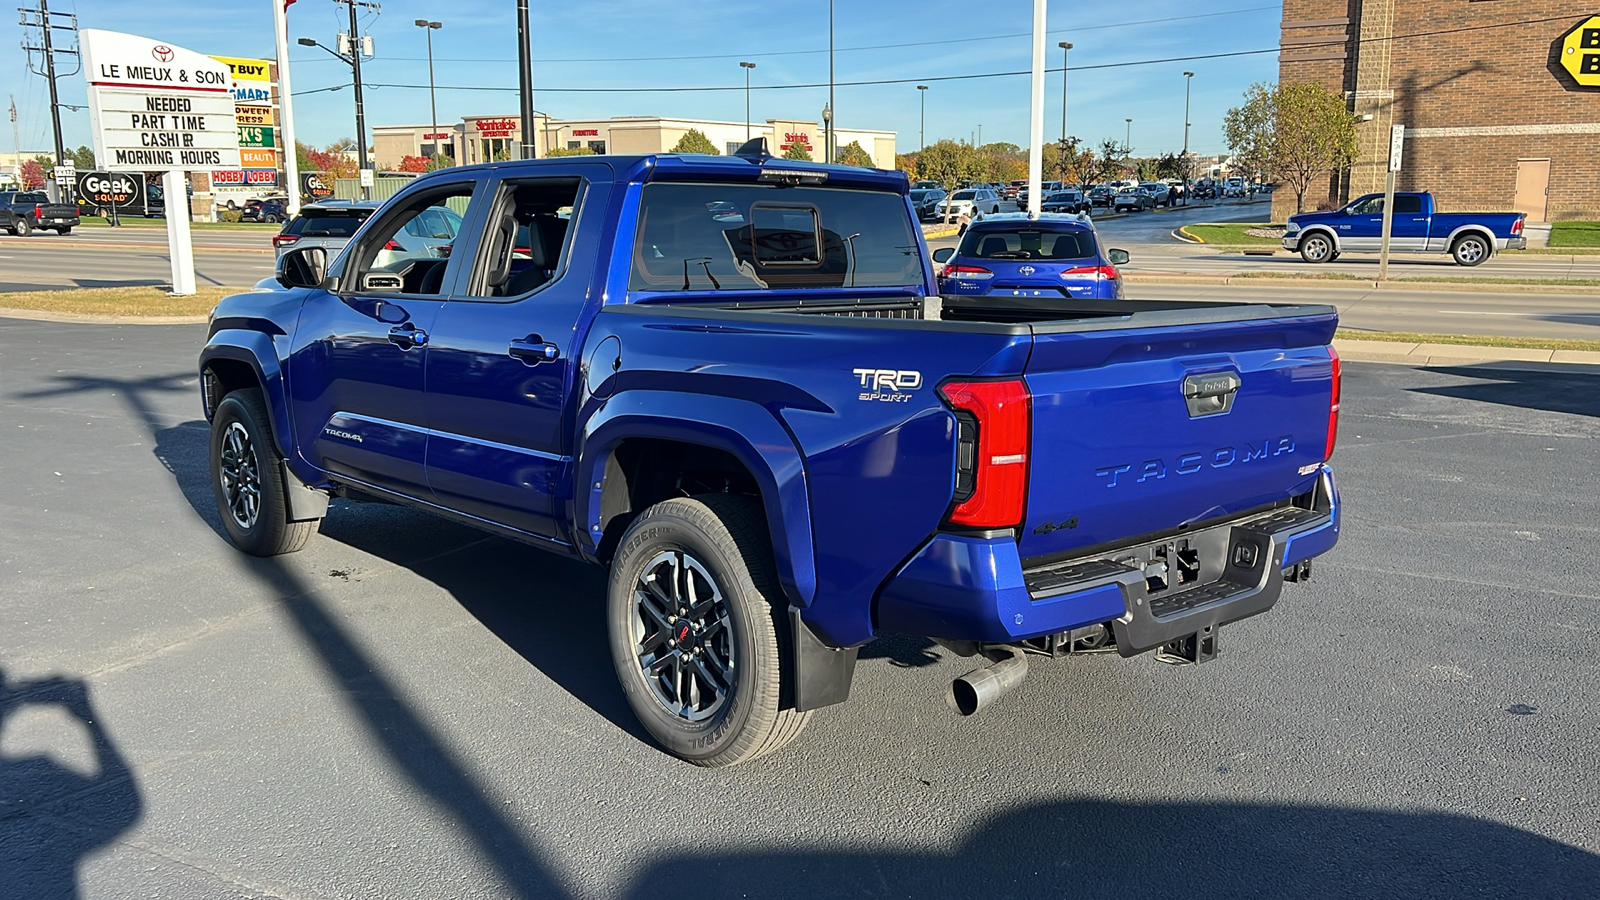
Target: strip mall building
x,y
478,139
1499,111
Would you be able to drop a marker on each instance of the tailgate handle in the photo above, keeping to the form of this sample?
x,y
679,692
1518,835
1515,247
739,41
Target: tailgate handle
x,y
1210,394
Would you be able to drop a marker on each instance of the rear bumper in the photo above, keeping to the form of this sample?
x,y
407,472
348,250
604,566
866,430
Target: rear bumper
x,y
973,588
1519,242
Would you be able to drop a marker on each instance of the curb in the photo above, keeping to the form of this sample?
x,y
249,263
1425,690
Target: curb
x,y
1522,287
40,315
1444,355
1182,234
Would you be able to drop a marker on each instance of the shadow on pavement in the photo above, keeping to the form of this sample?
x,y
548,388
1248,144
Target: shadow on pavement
x,y
52,816
1102,848
1554,391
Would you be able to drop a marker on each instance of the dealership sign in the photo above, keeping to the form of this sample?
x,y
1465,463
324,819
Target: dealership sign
x,y
1580,52
156,106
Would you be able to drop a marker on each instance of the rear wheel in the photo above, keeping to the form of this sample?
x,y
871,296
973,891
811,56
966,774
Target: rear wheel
x,y
698,631
64,230
1316,248
247,479
1470,250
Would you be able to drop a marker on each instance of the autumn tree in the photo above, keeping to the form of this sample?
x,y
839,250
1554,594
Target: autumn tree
x,y
332,160
853,154
797,150
568,151
948,163
32,175
695,141
907,163
1111,163
412,164
1298,131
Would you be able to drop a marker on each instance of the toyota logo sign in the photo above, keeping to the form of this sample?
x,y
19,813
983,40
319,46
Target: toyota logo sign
x,y
161,52
1026,270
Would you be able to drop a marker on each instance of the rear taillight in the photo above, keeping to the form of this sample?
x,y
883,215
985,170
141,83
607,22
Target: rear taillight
x,y
967,273
38,212
1516,227
284,240
1333,404
993,421
1102,273
391,245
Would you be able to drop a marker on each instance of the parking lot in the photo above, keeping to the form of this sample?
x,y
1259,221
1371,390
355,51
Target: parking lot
x,y
408,708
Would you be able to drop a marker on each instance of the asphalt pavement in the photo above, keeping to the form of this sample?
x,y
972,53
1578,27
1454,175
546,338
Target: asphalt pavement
x,y
410,709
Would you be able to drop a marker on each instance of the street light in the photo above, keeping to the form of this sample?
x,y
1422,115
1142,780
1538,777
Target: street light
x,y
1188,80
1127,140
1065,46
827,133
922,129
354,62
747,66
827,115
433,105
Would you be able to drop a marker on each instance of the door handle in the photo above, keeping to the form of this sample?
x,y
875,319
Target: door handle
x,y
533,350
407,336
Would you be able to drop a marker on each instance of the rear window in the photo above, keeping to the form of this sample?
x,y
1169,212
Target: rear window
x,y
1027,244
32,198
1407,205
964,195
327,222
750,237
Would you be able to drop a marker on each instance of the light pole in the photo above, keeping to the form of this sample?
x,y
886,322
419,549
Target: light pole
x,y
1127,140
747,66
1065,46
354,62
922,128
433,105
1188,80
827,148
827,132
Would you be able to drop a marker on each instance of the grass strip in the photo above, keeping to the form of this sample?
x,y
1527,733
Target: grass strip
x,y
139,222
1314,276
119,301
1461,279
1232,233
1467,340
1575,234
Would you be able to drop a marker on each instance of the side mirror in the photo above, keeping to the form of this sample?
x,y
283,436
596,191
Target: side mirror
x,y
1117,257
943,254
303,268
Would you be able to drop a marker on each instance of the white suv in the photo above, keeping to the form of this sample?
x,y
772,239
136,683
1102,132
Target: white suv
x,y
971,201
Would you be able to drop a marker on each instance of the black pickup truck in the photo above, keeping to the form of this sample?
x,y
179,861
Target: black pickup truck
x,y
23,211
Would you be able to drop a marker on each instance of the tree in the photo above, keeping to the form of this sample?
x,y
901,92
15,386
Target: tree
x,y
1146,169
695,141
568,151
32,175
1169,166
948,163
854,155
412,164
907,163
1112,162
440,161
83,159
1297,131
797,150
333,160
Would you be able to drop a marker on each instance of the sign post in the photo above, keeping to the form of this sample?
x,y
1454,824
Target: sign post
x,y
155,106
1397,143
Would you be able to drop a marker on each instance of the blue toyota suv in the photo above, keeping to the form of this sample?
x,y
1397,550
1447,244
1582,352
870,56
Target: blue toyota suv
x,y
1012,255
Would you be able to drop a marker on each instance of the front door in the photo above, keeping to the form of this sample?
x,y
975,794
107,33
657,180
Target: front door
x,y
1362,229
502,356
1533,188
355,370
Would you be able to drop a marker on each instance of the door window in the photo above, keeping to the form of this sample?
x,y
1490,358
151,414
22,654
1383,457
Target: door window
x,y
525,245
1408,206
1369,206
408,251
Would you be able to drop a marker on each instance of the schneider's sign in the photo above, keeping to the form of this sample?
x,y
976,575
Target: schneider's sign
x,y
156,106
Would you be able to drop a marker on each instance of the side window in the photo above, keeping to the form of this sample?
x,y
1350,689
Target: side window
x,y
525,245
1371,206
1408,206
409,249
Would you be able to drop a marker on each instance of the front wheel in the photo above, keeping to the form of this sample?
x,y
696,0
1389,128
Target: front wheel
x,y
1316,248
1470,250
23,227
698,630
247,479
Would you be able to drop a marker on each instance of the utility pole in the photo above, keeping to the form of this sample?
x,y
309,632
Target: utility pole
x,y
1065,47
525,79
747,66
429,28
16,142
1183,161
827,149
41,20
922,129
361,111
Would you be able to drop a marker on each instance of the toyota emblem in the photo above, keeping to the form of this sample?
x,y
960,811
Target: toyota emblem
x,y
161,52
1026,270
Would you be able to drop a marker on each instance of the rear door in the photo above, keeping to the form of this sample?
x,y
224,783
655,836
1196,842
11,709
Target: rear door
x,y
1143,430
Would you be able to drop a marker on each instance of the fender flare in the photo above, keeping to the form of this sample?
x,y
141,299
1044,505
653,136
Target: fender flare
x,y
1471,228
748,431
256,350
1332,235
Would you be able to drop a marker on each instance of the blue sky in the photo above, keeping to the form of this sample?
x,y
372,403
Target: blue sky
x,y
619,44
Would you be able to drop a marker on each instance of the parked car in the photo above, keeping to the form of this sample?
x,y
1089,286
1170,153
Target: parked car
x,y
774,438
264,210
926,202
1134,199
970,202
926,186
23,212
1065,202
1009,192
1010,254
1161,193
1101,195
1045,187
329,225
1471,238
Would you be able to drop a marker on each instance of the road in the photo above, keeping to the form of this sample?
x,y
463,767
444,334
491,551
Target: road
x,y
127,256
411,709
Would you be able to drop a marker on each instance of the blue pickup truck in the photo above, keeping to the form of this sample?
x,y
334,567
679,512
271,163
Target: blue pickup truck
x,y
731,381
1471,238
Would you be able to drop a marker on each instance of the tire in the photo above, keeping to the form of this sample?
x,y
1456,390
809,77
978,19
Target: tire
x,y
23,227
102,212
247,479
1471,250
740,637
995,208
64,230
1317,247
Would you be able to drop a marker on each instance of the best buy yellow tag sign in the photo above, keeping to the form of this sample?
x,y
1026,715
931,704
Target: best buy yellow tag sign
x,y
1580,52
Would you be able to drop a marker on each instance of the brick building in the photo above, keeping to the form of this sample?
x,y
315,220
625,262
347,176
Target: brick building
x,y
1492,119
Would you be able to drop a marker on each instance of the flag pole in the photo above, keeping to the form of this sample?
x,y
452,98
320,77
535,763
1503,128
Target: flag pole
x,y
291,159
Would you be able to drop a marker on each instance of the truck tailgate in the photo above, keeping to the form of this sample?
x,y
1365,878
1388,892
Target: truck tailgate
x,y
1140,430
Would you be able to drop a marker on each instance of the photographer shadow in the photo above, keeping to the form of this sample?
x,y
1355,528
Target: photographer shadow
x,y
52,815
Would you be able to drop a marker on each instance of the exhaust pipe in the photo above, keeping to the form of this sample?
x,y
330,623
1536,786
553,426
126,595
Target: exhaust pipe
x,y
981,687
